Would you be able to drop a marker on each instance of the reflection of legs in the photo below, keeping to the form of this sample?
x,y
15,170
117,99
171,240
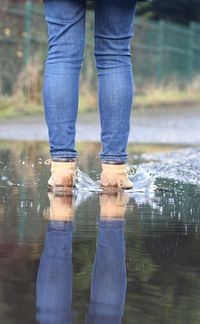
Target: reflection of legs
x,y
61,208
109,275
66,28
54,281
113,33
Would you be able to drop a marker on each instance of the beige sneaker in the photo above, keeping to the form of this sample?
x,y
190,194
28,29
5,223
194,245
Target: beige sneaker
x,y
115,176
63,176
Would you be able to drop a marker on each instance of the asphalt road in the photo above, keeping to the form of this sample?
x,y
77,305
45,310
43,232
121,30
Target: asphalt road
x,y
163,125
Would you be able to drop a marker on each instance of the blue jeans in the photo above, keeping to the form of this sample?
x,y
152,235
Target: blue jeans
x,y
54,279
113,32
109,282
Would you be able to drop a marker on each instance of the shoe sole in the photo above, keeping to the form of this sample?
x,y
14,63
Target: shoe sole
x,y
110,189
60,189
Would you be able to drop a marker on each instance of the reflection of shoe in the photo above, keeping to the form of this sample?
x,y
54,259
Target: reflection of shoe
x,y
113,205
63,175
61,207
115,176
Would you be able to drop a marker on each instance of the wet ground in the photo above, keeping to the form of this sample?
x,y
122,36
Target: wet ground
x,y
149,125
90,257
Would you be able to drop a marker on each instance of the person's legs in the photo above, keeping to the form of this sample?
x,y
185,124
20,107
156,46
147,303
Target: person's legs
x,y
113,33
54,278
66,29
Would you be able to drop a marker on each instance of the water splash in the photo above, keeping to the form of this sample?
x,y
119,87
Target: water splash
x,y
85,183
182,165
142,181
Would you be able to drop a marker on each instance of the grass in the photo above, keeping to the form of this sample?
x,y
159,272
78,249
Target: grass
x,y
12,108
169,95
27,92
151,96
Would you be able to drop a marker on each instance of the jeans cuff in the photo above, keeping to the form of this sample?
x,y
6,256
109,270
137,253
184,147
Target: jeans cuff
x,y
114,159
60,226
63,159
113,162
64,156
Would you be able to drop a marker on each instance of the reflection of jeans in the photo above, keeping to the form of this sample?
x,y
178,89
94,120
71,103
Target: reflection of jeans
x,y
108,288
113,33
54,281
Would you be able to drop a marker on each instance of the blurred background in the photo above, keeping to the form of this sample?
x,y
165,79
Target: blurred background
x,y
162,218
165,49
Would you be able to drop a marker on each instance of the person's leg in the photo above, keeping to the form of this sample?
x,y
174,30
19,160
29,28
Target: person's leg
x,y
66,30
108,287
113,33
54,278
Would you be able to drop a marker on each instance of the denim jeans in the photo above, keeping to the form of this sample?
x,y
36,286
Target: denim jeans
x,y
112,35
54,279
109,282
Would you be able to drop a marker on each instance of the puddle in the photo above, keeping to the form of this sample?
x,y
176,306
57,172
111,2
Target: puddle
x,y
90,258
182,165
